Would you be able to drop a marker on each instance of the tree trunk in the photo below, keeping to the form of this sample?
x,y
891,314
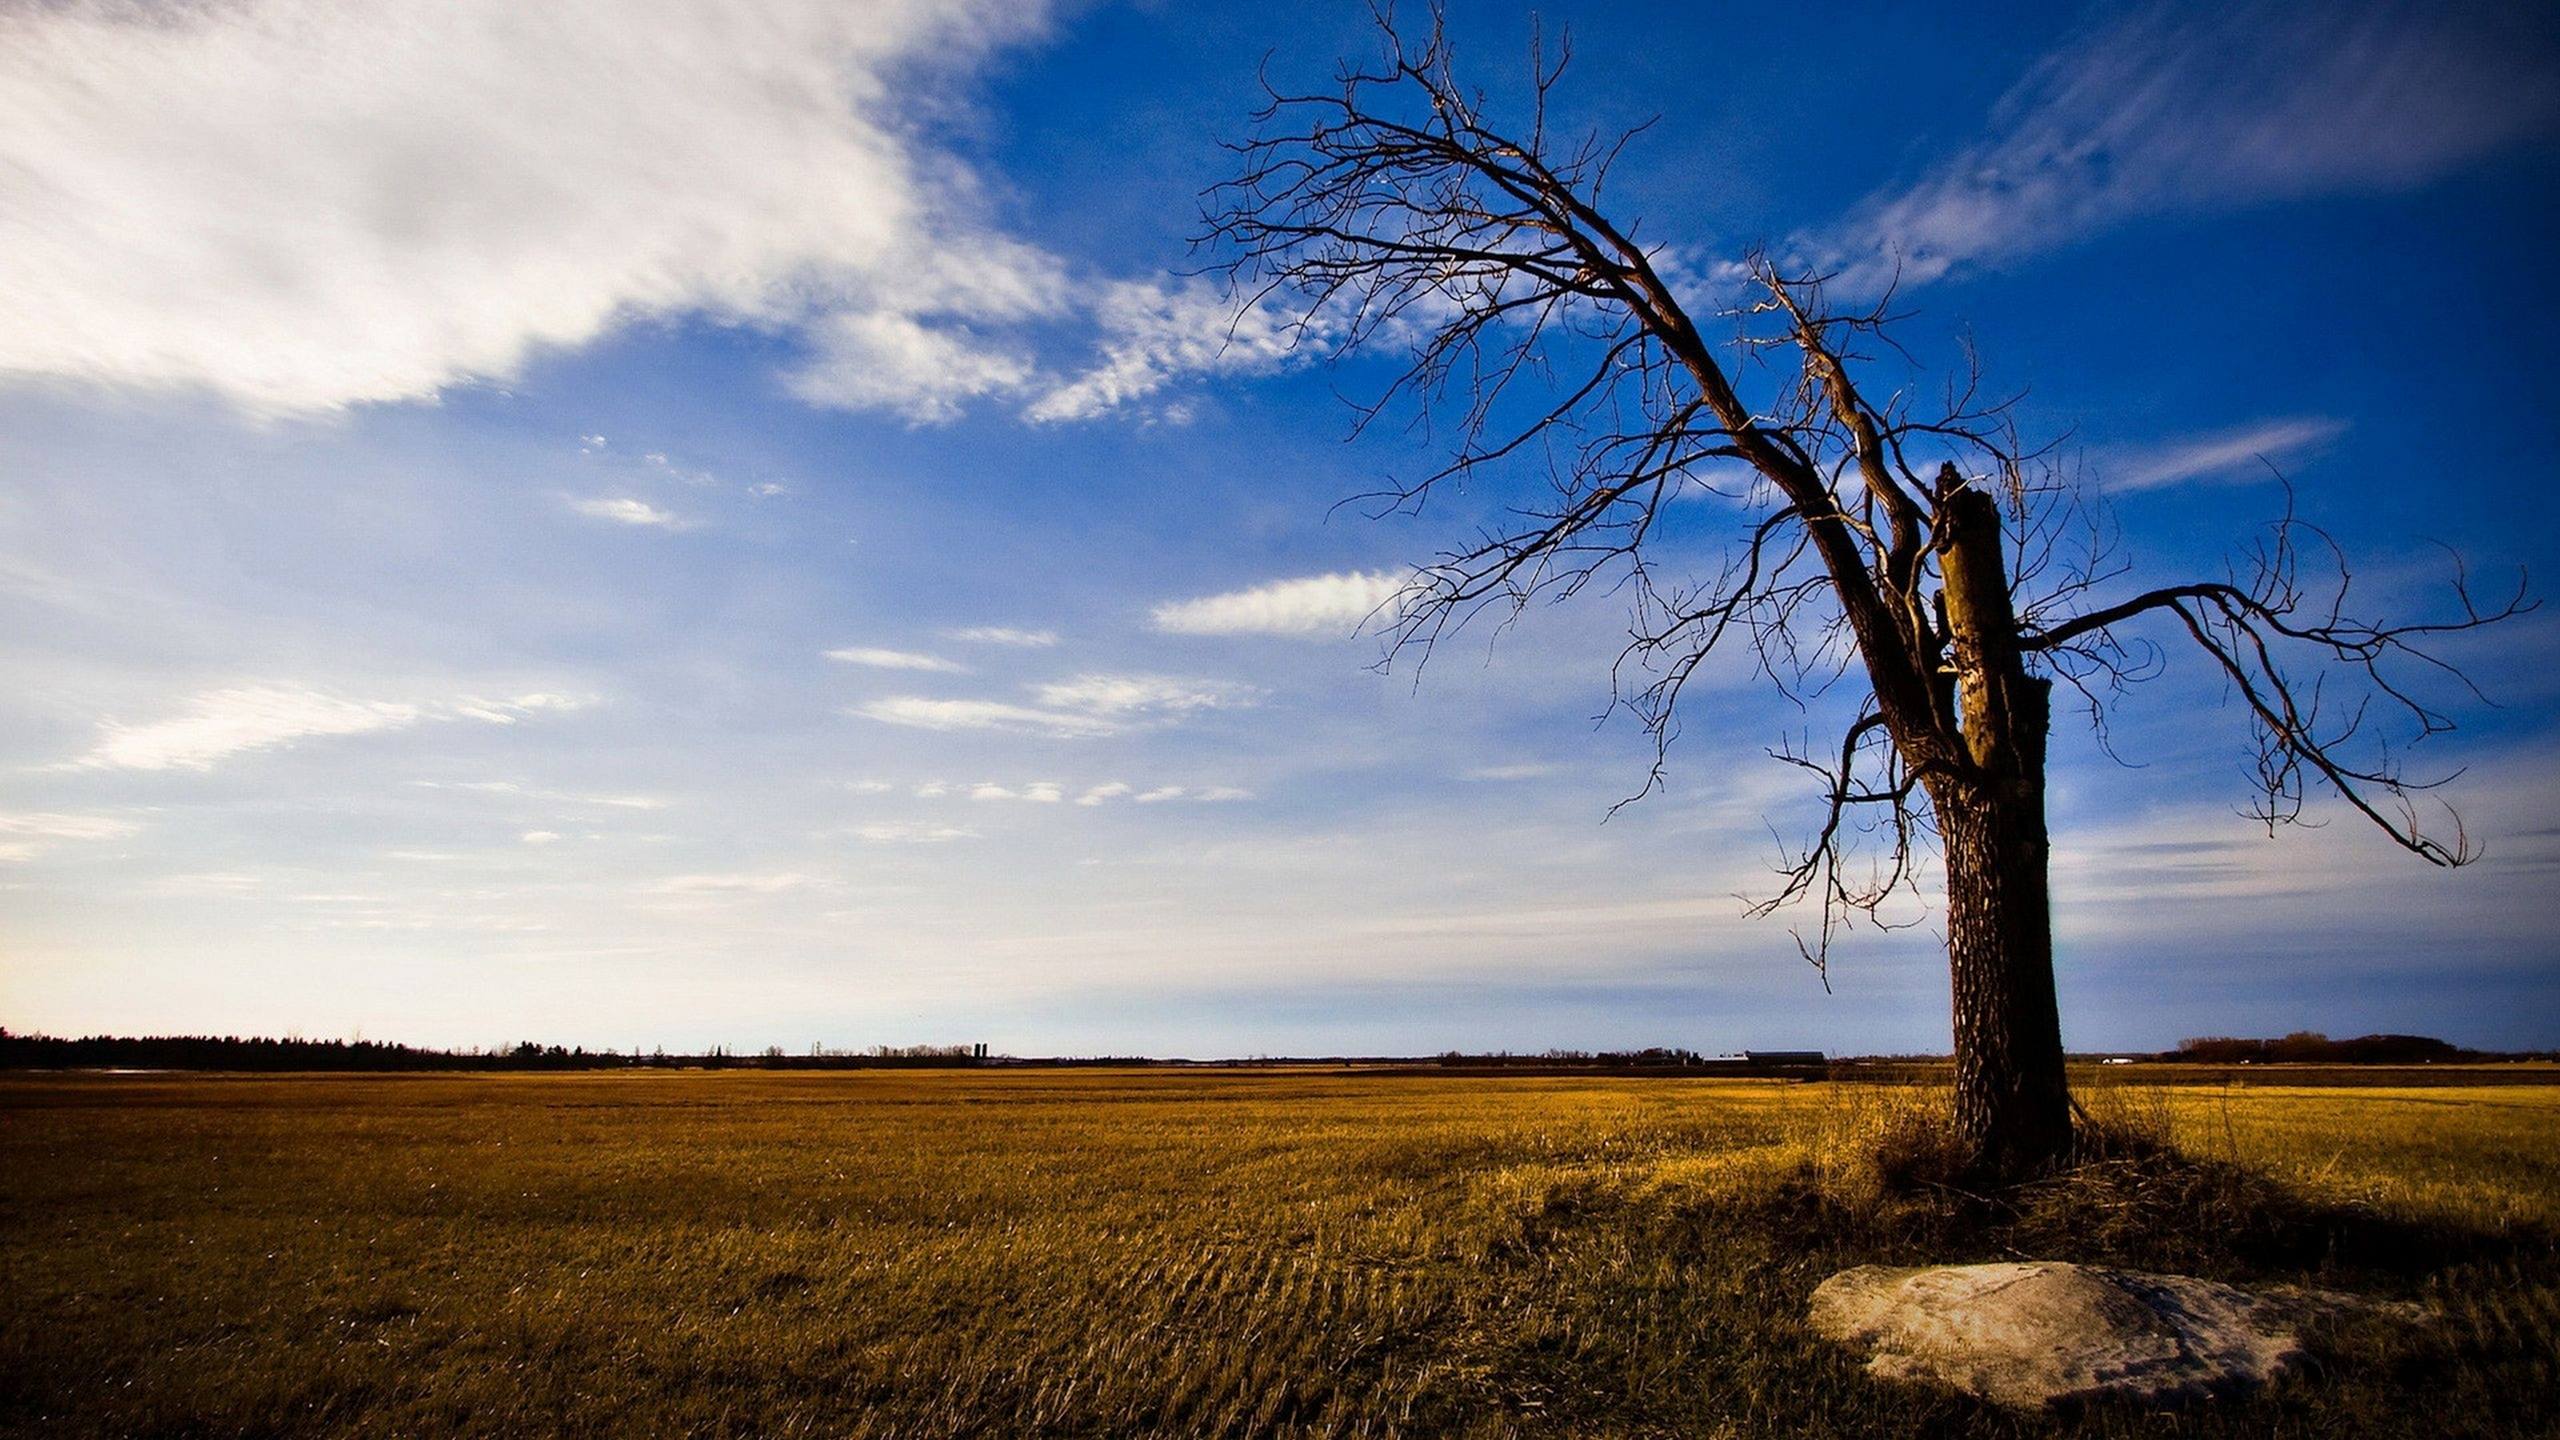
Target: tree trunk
x,y
2012,1101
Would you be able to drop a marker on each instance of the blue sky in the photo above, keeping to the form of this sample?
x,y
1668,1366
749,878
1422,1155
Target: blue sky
x,y
685,523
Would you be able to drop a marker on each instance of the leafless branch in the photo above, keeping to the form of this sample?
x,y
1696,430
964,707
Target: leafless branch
x,y
1536,334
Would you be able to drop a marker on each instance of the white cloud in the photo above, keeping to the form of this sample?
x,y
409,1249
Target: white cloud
x,y
897,660
1144,694
35,833
869,787
897,834
222,723
1038,792
749,884
700,479
509,711
512,789
2222,455
1004,635
1157,331
55,826
1051,792
2179,108
1316,605
900,364
1197,794
540,837
623,510
923,713
1085,707
301,205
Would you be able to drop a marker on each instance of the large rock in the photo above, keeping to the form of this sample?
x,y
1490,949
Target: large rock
x,y
2029,1335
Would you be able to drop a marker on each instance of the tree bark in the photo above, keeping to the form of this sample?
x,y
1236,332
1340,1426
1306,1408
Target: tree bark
x,y
2012,1100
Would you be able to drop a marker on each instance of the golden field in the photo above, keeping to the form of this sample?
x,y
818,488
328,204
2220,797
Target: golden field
x,y
1131,1253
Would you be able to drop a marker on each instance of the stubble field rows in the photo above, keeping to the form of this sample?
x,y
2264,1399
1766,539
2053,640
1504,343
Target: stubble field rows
x,y
1154,1253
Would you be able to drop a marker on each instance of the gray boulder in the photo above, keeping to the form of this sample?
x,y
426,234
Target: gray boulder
x,y
2028,1335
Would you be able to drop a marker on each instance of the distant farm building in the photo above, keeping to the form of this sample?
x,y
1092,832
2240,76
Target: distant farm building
x,y
1784,1059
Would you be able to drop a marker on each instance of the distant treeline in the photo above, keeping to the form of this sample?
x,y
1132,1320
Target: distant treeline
x,y
1608,1059
2309,1047
235,1052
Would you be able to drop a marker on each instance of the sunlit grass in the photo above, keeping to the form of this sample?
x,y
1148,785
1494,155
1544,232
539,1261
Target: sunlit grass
x,y
901,1253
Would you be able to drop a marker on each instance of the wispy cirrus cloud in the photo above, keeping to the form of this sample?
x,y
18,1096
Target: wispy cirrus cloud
x,y
624,510
879,659
1205,794
509,711
26,835
735,883
516,790
920,712
2240,453
1156,332
219,724
49,825
1314,606
2176,108
1003,635
1051,792
923,371
1038,792
900,833
1145,694
1083,708
223,723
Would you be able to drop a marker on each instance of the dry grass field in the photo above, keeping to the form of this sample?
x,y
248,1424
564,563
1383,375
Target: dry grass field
x,y
1173,1253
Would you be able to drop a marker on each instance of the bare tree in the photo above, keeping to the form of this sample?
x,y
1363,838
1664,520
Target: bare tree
x,y
1921,557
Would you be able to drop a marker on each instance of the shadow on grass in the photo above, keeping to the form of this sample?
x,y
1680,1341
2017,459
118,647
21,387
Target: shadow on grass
x,y
2153,1208
1887,1183
2168,1213
1664,1311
